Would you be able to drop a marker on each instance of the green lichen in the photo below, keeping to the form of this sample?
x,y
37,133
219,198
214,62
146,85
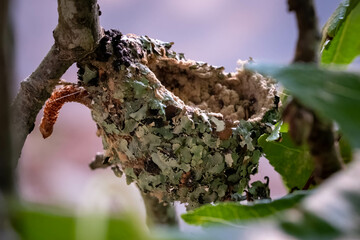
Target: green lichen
x,y
89,75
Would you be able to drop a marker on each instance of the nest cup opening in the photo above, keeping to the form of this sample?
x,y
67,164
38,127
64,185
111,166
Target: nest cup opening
x,y
240,95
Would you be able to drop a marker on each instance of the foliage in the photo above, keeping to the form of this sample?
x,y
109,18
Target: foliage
x,y
292,162
333,94
329,212
340,43
33,222
345,150
231,213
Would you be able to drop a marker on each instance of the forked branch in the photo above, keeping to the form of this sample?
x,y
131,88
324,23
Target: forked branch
x,y
76,35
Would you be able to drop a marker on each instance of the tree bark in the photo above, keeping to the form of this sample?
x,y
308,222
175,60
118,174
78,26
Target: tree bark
x,y
76,35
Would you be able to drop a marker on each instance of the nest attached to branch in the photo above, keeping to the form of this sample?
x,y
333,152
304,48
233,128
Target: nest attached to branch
x,y
182,130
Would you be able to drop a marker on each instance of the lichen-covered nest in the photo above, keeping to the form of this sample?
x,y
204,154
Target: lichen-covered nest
x,y
182,130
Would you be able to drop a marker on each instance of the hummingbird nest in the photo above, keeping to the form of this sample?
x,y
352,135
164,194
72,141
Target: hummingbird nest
x,y
181,130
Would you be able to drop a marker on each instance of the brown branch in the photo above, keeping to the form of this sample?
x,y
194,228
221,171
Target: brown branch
x,y
77,34
309,36
78,30
320,135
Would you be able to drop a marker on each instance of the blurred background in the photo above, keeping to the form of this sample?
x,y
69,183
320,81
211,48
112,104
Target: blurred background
x,y
55,170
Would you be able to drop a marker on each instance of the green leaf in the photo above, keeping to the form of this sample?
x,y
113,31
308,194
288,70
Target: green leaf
x,y
37,224
333,94
34,222
292,162
335,204
334,22
231,213
284,128
309,226
330,212
341,41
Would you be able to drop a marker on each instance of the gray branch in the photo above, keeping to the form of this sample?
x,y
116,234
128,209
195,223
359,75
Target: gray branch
x,y
309,37
76,35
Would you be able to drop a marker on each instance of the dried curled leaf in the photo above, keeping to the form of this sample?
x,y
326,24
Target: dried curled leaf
x,y
69,93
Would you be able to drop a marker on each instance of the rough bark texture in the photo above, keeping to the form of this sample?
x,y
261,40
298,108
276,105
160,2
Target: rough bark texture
x,y
197,147
305,125
76,35
308,41
78,30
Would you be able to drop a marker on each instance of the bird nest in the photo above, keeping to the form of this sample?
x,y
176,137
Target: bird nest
x,y
182,130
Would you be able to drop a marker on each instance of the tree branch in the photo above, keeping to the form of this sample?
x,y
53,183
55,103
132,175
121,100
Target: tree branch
x,y
78,30
309,36
320,138
77,34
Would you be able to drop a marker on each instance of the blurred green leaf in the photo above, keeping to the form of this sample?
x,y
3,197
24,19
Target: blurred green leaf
x,y
125,228
341,41
37,224
284,128
333,94
230,213
345,150
335,204
334,22
33,222
309,226
329,212
292,162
